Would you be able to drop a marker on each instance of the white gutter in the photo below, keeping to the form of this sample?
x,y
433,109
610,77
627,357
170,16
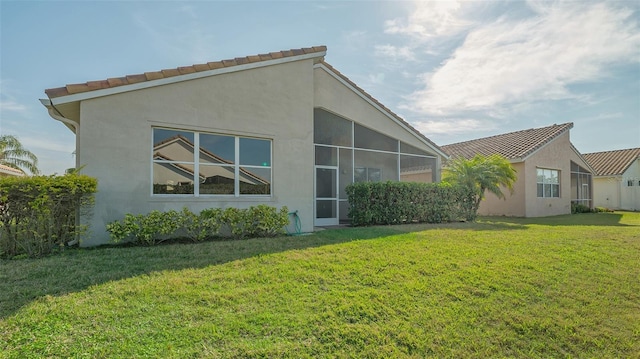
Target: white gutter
x,y
56,115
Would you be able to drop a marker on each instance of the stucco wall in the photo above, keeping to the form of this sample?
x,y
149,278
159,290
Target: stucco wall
x,y
513,205
606,192
274,102
556,155
630,195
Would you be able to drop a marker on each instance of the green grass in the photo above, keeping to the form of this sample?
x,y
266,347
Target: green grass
x,y
566,286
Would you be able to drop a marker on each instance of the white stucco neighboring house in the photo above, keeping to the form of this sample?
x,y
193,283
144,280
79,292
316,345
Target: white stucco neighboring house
x,y
552,174
282,129
616,184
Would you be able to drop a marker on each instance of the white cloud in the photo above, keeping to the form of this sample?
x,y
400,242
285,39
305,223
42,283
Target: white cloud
x,y
395,53
8,97
452,126
433,18
377,78
507,62
10,105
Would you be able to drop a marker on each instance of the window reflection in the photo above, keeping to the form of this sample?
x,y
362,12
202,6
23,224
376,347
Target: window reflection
x,y
172,178
217,149
174,164
255,152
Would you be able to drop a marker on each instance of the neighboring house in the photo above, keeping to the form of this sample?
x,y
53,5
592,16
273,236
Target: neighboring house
x,y
616,181
551,172
282,129
6,171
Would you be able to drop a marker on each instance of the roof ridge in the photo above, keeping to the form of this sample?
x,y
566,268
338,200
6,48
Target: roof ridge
x,y
613,162
71,89
610,151
510,133
516,144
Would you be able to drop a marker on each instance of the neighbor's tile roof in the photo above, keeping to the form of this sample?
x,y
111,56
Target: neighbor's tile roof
x,y
512,145
612,163
156,75
378,103
10,170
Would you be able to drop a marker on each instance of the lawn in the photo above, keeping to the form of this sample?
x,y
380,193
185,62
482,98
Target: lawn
x,y
566,286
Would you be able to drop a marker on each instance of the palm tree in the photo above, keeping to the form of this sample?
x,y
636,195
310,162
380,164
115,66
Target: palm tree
x,y
478,175
13,155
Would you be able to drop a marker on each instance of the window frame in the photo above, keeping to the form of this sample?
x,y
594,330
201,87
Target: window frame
x,y
238,167
547,184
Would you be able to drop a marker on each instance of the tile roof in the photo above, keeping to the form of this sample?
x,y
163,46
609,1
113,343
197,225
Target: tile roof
x,y
612,163
11,171
184,70
513,145
378,103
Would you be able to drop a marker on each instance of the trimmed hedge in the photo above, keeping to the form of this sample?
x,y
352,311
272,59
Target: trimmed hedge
x,y
403,202
39,214
156,226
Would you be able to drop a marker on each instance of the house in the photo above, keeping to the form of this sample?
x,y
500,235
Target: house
x,y
282,129
552,174
6,171
616,181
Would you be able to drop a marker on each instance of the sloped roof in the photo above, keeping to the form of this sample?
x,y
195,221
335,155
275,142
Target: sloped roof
x,y
57,95
10,171
184,70
383,107
513,145
612,163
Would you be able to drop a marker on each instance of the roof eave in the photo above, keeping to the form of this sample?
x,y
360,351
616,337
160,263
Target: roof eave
x,y
81,96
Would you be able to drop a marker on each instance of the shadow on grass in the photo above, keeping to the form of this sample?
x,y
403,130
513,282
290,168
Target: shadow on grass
x,y
74,270
25,280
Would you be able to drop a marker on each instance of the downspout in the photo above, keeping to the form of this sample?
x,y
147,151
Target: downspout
x,y
57,115
74,127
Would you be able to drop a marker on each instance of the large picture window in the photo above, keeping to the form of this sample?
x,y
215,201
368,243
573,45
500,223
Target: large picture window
x,y
548,182
222,164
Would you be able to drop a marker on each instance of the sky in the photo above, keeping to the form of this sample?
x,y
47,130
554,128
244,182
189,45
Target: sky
x,y
455,70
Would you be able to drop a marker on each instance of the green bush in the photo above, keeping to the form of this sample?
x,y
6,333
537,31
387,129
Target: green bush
x,y
201,226
148,229
155,227
580,208
39,214
403,202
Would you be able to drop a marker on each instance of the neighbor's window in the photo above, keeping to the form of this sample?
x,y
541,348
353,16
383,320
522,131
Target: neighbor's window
x,y
630,183
548,182
224,165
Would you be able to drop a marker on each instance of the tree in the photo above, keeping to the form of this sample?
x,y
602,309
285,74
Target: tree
x,y
478,175
13,155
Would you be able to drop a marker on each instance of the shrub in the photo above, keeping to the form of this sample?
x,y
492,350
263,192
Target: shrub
x,y
403,202
39,214
149,229
580,208
267,221
201,226
155,227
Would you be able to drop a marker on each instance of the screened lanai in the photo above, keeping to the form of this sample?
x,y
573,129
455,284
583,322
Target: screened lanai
x,y
581,185
347,152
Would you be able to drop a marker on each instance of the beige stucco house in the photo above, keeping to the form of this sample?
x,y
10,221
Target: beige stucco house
x,y
551,172
282,129
616,181
6,171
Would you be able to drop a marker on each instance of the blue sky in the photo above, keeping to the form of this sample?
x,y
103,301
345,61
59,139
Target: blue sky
x,y
455,70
